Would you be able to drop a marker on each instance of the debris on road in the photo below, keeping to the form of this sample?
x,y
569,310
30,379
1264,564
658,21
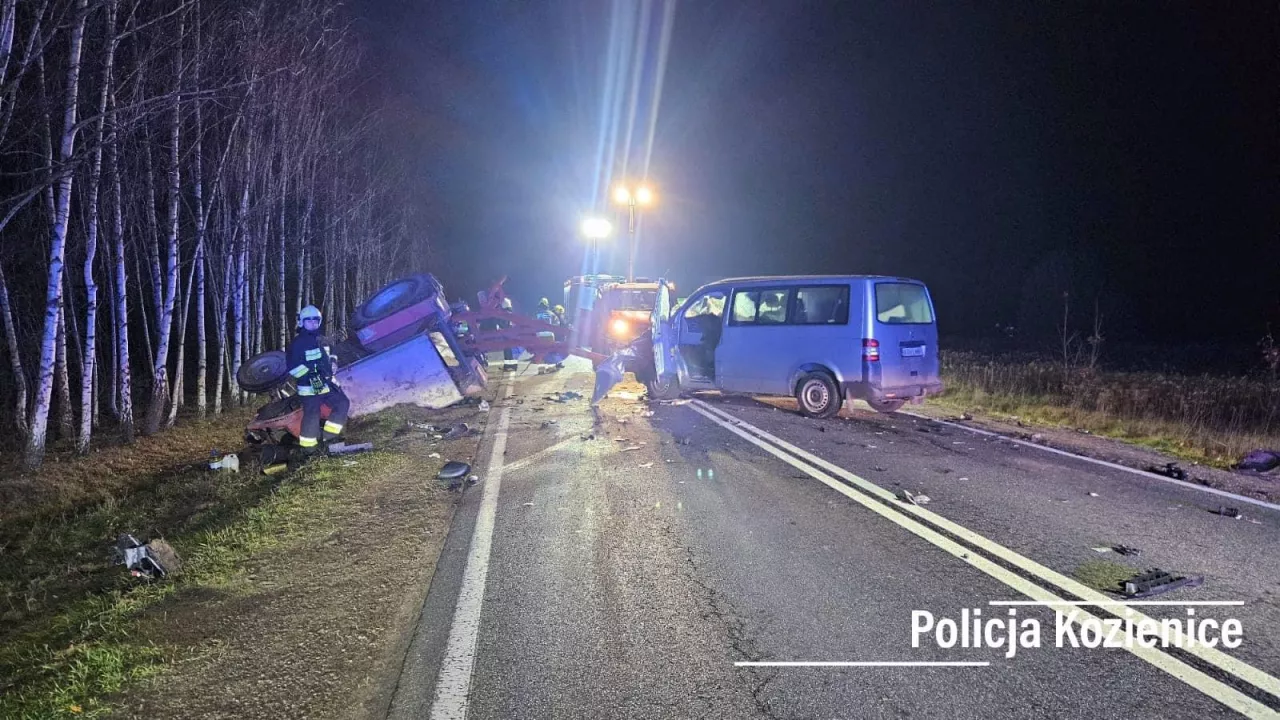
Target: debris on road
x,y
1118,549
910,499
548,423
528,504
484,406
677,401
647,413
1156,581
684,441
434,455
1223,510
563,397
630,447
1260,461
1170,470
1093,494
646,466
152,559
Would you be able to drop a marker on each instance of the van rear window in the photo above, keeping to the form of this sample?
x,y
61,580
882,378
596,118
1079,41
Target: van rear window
x,y
902,304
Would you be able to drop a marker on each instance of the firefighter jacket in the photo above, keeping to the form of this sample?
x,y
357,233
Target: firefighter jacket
x,y
311,363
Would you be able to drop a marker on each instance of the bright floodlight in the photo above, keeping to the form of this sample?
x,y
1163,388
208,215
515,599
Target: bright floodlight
x,y
595,228
622,196
644,195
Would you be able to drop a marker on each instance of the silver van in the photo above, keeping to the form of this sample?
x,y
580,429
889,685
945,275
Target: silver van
x,y
821,338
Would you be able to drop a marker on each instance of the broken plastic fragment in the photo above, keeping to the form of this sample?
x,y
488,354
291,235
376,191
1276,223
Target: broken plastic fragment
x,y
646,465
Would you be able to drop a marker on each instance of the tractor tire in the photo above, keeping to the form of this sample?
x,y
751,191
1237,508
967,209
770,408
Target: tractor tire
x,y
391,299
263,372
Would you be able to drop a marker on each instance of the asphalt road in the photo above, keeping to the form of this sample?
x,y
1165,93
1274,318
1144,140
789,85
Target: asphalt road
x,y
618,564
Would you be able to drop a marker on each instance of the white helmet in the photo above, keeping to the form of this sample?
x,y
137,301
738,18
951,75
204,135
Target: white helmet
x,y
310,312
506,303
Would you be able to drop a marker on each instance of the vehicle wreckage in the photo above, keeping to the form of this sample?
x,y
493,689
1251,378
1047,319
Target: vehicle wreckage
x,y
408,345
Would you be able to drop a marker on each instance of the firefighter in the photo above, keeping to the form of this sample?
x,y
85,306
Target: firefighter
x,y
558,316
544,311
311,366
509,362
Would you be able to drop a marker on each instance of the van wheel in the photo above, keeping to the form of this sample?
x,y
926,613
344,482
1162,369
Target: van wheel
x,y
818,395
886,406
660,389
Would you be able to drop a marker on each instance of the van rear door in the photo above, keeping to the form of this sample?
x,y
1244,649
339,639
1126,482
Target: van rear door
x,y
907,335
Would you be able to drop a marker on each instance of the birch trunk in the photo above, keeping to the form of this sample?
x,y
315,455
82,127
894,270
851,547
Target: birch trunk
x,y
124,374
88,366
34,451
15,361
159,388
62,379
281,311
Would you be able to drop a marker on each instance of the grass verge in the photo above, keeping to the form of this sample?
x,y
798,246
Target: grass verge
x,y
1188,420
69,637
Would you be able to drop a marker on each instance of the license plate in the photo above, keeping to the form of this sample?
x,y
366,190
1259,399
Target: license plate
x,y
917,351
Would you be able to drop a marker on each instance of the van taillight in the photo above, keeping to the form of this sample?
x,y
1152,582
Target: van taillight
x,y
870,350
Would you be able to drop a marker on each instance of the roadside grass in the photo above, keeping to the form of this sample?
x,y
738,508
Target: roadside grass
x,y
69,636
1205,419
1104,575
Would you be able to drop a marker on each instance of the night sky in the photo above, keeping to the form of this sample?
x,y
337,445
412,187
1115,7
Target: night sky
x,y
1003,152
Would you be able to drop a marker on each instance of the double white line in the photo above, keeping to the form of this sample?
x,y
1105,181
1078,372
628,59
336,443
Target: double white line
x,y
996,561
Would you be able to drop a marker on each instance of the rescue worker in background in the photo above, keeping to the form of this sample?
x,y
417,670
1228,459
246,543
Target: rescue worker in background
x,y
560,319
508,356
311,365
544,311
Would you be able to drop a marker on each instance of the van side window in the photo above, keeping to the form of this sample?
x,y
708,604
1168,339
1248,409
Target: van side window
x,y
823,305
744,307
760,307
902,304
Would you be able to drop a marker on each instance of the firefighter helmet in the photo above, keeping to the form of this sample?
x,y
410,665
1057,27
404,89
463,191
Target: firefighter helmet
x,y
559,310
310,312
544,303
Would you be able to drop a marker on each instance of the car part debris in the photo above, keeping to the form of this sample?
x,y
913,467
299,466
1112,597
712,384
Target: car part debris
x,y
341,448
1170,470
457,431
1156,581
563,397
1259,461
548,423
630,447
1126,550
484,406
645,466
153,559
453,474
911,499
1223,510
228,462
473,479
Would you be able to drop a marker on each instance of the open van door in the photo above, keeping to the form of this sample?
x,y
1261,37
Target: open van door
x,y
661,331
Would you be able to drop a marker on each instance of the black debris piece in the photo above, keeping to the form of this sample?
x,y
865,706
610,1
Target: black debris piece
x,y
1223,510
1169,470
1156,581
1125,550
453,474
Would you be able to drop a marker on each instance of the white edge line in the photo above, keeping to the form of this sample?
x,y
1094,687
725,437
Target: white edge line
x,y
453,684
886,663
1222,660
1122,603
901,516
1104,463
